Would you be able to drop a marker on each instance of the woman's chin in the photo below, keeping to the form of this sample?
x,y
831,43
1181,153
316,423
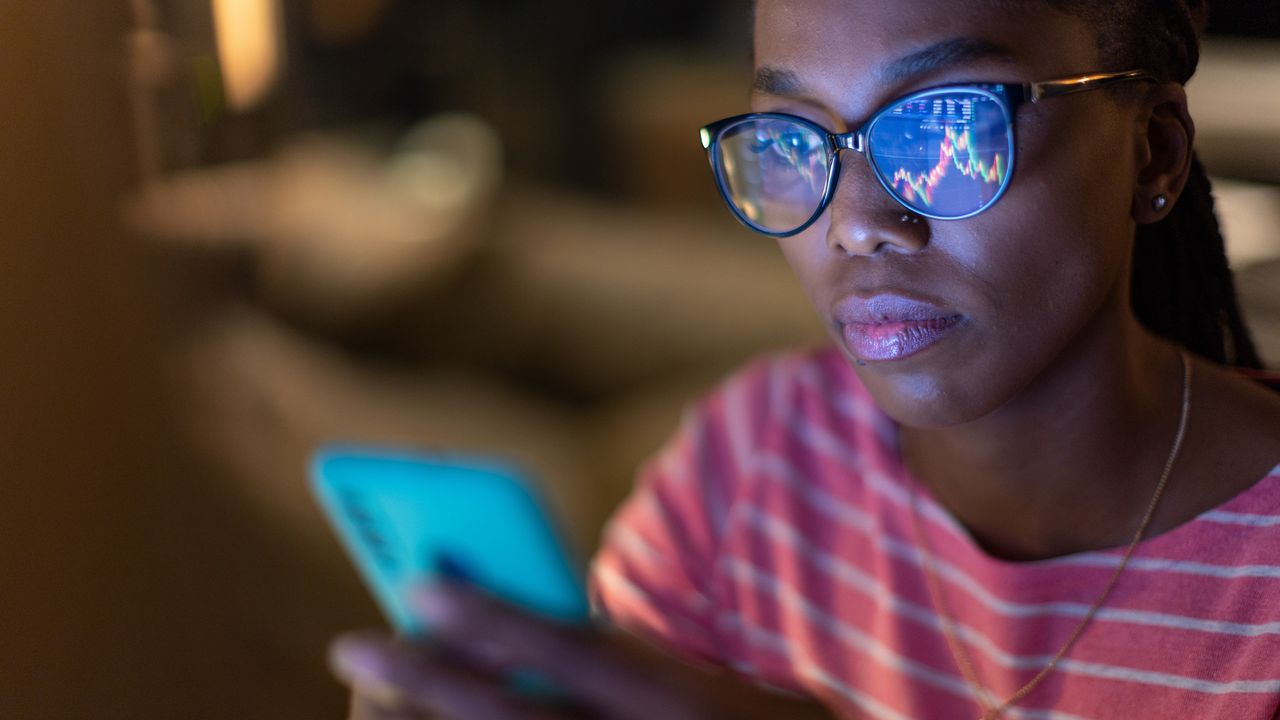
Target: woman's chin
x,y
928,399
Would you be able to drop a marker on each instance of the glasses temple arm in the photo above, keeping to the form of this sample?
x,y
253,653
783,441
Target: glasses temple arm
x,y
1067,86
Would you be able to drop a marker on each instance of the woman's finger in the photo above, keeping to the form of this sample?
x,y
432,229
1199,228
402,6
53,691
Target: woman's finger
x,y
393,677
364,707
500,636
611,674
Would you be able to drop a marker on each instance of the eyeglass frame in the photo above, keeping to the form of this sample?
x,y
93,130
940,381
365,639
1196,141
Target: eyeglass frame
x,y
1009,96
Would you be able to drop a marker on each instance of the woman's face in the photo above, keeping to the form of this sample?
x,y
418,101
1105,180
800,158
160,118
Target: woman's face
x,y
950,320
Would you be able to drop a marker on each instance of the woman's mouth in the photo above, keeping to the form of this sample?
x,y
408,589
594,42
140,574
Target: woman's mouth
x,y
892,327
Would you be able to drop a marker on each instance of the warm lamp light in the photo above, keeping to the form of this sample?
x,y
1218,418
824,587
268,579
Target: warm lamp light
x,y
249,53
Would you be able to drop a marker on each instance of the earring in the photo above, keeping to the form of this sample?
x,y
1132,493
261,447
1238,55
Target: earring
x,y
910,218
1160,202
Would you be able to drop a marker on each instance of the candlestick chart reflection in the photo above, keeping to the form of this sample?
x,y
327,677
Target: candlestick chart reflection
x,y
944,155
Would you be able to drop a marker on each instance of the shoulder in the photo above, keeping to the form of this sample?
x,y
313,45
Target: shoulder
x,y
1240,412
1233,439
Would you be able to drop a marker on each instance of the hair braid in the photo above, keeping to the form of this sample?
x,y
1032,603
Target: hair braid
x,y
1183,288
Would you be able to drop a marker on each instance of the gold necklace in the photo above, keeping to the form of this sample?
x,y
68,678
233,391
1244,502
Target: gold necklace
x,y
992,711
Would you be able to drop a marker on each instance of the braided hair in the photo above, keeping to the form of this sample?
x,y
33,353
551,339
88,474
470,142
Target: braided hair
x,y
1182,286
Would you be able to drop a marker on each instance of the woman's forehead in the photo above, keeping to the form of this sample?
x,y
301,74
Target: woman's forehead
x,y
859,53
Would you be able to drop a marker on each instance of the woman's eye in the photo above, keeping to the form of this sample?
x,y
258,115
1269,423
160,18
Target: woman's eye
x,y
785,143
793,145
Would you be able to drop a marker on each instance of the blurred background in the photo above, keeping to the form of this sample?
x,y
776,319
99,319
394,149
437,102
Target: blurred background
x,y
237,229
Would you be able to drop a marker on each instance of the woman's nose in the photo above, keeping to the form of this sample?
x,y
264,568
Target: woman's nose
x,y
865,220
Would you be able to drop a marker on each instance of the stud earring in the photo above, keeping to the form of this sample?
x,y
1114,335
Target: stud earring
x,y
910,218
1160,202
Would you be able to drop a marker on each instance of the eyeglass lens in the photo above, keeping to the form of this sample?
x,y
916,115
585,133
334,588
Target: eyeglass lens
x,y
774,171
943,154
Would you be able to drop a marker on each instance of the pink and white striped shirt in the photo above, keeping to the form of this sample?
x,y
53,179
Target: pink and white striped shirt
x,y
773,534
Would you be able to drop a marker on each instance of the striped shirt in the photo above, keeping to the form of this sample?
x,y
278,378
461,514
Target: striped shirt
x,y
774,535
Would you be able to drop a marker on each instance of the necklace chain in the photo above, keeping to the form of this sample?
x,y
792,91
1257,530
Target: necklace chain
x,y
993,710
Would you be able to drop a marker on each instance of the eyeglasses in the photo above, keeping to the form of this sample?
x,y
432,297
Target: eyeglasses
x,y
946,153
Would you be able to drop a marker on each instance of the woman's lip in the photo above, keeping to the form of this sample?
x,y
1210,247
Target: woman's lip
x,y
872,342
889,326
888,308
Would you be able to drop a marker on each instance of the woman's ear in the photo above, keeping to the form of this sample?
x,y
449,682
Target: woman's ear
x,y
1165,139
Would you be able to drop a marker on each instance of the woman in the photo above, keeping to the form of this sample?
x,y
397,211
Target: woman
x,y
1021,483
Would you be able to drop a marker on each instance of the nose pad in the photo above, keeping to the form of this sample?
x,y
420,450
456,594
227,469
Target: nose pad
x,y
865,219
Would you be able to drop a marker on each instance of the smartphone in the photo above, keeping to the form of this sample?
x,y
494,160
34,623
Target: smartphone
x,y
408,518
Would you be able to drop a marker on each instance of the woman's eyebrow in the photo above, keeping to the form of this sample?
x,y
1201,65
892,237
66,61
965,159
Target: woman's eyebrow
x,y
954,51
774,81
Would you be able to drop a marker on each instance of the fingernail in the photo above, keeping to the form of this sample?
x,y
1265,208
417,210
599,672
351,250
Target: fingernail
x,y
356,658
361,662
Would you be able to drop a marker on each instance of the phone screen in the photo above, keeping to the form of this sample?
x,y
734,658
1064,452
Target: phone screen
x,y
407,518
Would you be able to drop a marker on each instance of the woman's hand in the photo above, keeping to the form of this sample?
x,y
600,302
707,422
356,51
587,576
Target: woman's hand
x,y
476,640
